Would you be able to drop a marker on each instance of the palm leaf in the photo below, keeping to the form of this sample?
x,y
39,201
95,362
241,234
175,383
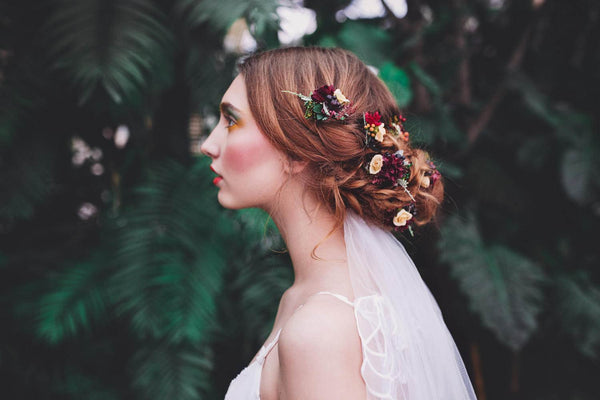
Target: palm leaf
x,y
26,179
121,46
166,372
78,385
76,300
579,170
260,276
579,312
260,14
502,286
258,272
168,257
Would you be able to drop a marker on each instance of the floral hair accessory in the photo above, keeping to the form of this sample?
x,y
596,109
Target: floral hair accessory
x,y
397,122
391,170
403,218
431,176
324,103
374,129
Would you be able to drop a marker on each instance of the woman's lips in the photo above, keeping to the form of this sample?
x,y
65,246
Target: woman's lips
x,y
216,179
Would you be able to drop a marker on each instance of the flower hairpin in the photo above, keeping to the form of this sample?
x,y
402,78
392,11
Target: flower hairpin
x,y
390,169
325,103
431,176
374,129
397,122
403,219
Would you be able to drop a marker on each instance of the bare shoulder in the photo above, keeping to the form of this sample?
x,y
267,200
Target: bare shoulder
x,y
322,321
320,352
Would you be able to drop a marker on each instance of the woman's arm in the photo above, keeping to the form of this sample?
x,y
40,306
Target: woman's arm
x,y
320,353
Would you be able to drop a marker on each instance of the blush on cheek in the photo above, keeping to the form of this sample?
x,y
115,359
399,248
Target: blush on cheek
x,y
242,157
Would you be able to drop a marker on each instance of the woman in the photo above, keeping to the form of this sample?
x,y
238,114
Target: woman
x,y
314,138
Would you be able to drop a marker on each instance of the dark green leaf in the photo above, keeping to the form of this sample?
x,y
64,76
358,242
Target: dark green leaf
x,y
503,287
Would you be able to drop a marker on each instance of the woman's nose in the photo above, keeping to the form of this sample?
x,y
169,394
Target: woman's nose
x,y
209,147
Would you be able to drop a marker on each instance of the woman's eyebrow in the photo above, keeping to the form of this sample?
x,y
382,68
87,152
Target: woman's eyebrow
x,y
230,110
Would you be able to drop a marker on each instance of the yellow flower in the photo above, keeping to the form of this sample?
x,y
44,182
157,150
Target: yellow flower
x,y
402,217
376,164
425,182
340,97
380,133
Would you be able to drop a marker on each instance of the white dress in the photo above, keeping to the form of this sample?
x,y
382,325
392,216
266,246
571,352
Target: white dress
x,y
246,386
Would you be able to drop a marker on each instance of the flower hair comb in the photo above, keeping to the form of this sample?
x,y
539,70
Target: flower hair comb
x,y
325,103
393,169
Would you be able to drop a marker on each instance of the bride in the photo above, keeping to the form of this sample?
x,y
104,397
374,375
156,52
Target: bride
x,y
314,138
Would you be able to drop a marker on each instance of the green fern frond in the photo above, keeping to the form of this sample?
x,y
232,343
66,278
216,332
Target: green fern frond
x,y
76,300
503,287
163,372
77,385
122,46
168,255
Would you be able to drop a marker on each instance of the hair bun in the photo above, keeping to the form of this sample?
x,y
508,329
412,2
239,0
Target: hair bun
x,y
339,152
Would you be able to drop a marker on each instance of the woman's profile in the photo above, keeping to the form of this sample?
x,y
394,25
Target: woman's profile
x,y
313,137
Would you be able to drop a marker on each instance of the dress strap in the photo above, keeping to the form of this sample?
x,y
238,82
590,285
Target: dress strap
x,y
267,350
339,296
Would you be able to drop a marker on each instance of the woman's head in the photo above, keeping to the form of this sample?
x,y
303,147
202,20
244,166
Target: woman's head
x,y
250,168
334,152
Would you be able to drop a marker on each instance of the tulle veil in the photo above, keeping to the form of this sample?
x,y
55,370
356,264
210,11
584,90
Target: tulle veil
x,y
408,352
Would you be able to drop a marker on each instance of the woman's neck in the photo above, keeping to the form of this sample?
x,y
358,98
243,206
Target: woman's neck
x,y
317,251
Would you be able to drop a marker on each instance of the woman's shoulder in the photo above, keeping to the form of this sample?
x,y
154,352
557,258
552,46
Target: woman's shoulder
x,y
324,324
319,348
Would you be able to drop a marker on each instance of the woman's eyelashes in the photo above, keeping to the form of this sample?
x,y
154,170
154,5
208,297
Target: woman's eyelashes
x,y
230,115
229,122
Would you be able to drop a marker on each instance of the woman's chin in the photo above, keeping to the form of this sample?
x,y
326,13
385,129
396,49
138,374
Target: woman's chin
x,y
228,202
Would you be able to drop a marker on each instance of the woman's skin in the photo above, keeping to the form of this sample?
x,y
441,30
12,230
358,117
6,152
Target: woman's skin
x,y
318,355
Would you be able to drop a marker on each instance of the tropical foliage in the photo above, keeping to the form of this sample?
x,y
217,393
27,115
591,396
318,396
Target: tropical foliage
x,y
121,275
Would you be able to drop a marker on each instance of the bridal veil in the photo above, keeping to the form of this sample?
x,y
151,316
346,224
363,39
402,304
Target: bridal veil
x,y
408,352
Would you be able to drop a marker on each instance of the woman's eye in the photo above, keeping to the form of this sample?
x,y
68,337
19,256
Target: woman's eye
x,y
229,122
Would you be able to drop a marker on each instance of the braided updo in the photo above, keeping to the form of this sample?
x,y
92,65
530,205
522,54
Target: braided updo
x,y
337,171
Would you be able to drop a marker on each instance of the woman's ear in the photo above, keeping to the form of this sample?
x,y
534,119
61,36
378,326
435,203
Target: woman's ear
x,y
293,167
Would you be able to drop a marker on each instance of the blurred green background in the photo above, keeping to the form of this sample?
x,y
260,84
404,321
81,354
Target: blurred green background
x,y
122,278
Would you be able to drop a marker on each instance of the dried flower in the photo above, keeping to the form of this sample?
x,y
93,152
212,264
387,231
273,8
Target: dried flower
x,y
340,96
402,217
380,133
376,164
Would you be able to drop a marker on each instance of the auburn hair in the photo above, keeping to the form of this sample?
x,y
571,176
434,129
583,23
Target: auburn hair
x,y
335,151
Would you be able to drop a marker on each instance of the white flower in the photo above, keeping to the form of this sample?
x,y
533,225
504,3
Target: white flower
x,y
380,133
402,217
340,97
376,164
425,182
397,128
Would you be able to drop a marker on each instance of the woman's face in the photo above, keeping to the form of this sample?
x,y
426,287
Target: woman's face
x,y
250,169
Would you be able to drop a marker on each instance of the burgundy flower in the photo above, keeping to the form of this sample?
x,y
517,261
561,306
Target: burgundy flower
x,y
324,103
373,118
434,173
393,168
323,94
